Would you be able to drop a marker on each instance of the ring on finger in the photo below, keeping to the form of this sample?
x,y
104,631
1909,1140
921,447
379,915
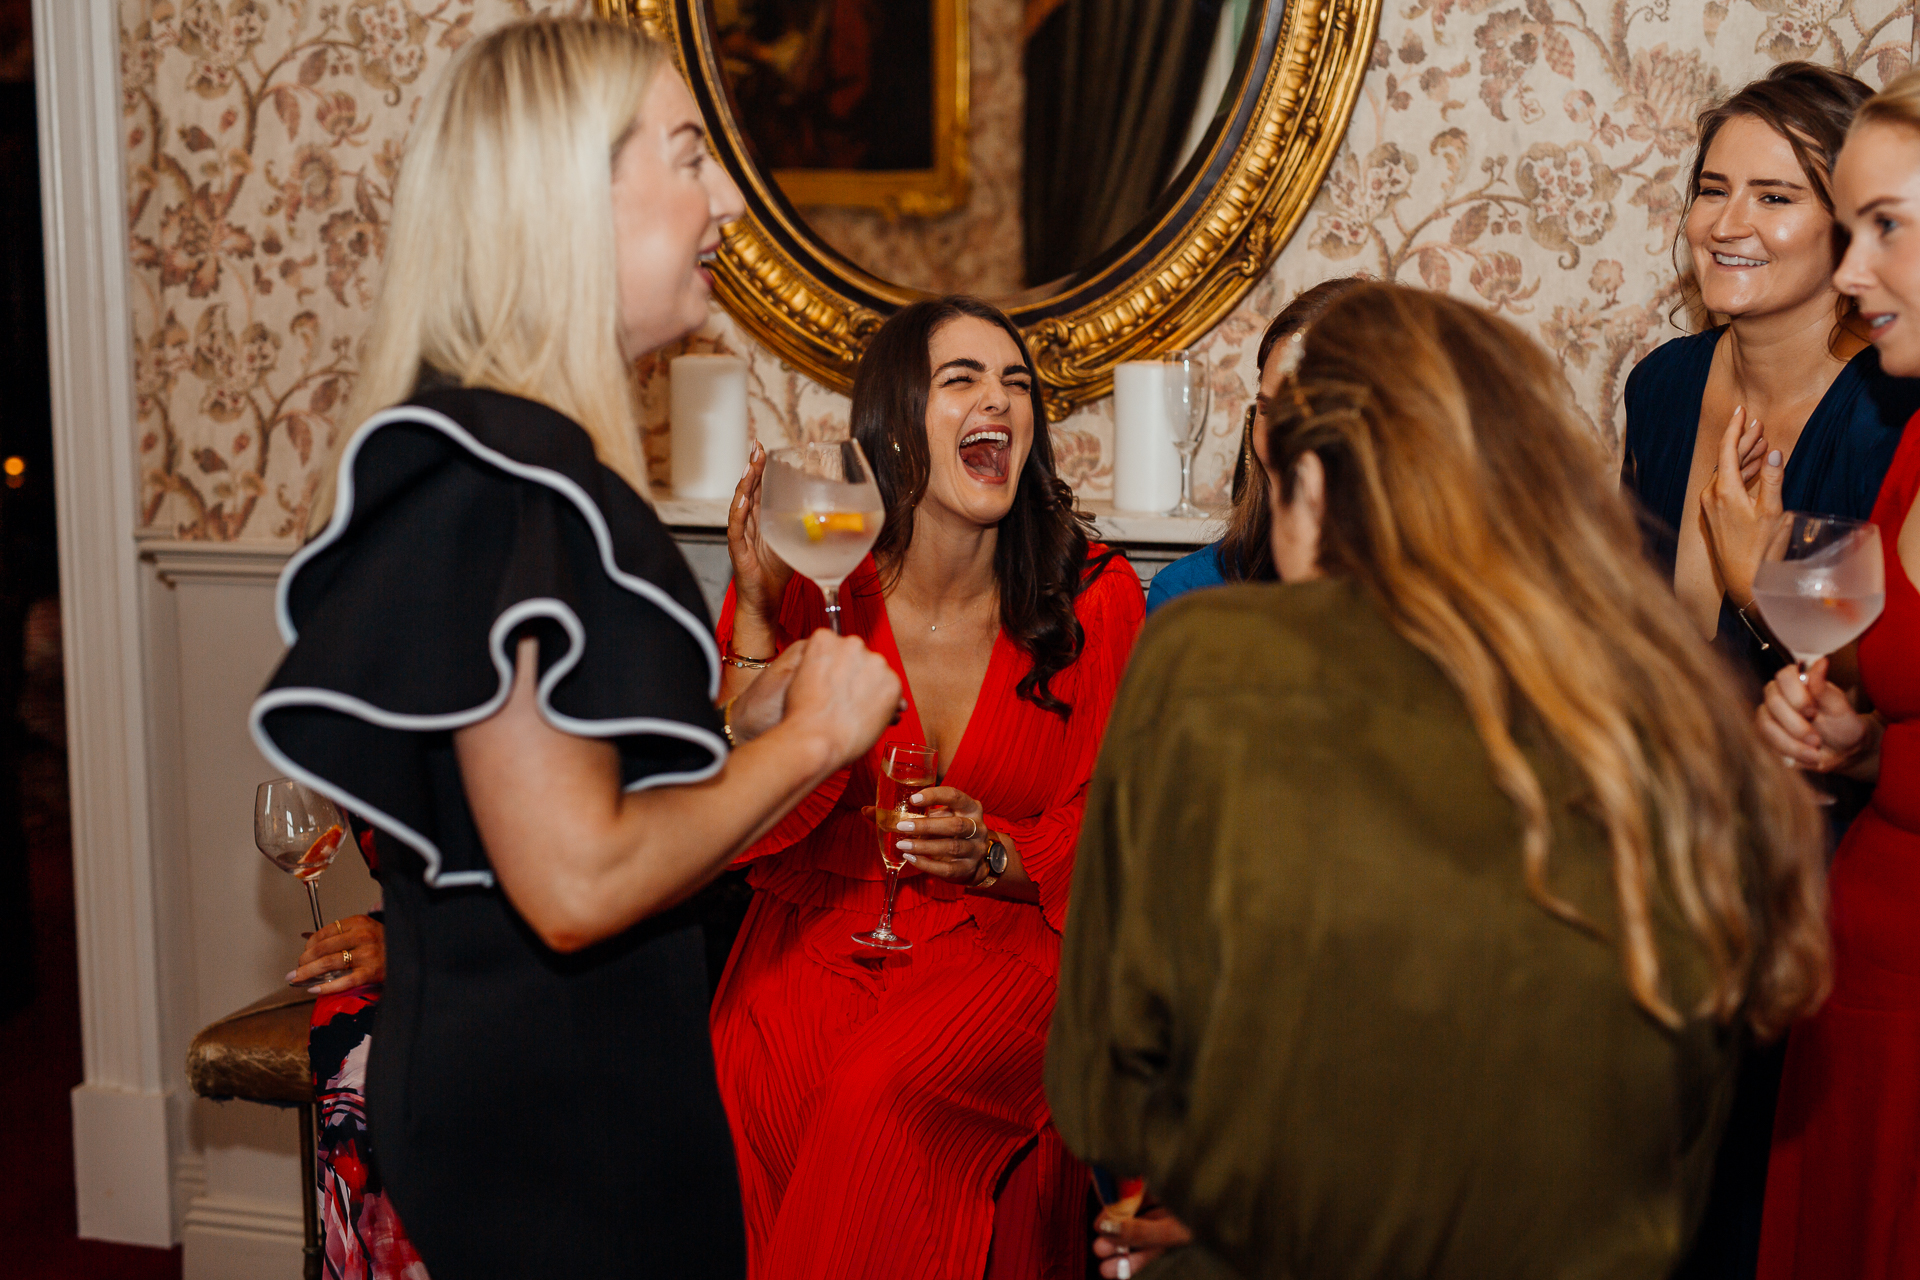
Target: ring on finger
x,y
346,957
973,830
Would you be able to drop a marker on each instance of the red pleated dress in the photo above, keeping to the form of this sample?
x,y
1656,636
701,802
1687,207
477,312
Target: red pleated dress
x,y
1843,1183
887,1109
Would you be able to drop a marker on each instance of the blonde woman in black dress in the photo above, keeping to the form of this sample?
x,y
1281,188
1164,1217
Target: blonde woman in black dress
x,y
500,659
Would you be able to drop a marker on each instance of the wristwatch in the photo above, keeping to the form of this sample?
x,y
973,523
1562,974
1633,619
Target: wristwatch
x,y
995,861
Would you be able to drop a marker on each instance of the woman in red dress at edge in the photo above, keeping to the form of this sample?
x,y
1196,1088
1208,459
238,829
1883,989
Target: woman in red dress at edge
x,y
887,1108
1843,1183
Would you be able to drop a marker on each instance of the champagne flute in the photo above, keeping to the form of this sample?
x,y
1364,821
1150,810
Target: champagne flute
x,y
299,830
906,767
1189,396
1821,583
820,512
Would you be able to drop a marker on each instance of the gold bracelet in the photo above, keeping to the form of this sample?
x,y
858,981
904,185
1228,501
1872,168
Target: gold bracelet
x,y
733,659
1759,634
726,722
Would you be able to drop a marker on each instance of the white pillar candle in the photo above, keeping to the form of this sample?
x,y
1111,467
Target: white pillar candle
x,y
709,422
1146,466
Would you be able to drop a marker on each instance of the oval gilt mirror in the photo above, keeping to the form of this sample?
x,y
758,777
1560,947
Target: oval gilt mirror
x,y
1116,174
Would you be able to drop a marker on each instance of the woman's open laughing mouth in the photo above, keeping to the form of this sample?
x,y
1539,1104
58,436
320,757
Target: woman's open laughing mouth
x,y
984,453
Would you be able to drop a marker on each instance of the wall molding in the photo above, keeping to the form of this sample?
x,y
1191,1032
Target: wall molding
x,y
178,560
262,1219
120,1114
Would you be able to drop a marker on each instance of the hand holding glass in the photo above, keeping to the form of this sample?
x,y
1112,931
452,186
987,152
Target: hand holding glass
x,y
1189,396
905,768
1822,582
820,512
299,830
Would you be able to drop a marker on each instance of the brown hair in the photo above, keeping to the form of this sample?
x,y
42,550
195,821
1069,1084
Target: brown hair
x,y
1811,107
1246,549
1461,493
1040,560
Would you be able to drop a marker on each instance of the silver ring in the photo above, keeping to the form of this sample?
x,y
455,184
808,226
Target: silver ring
x,y
974,832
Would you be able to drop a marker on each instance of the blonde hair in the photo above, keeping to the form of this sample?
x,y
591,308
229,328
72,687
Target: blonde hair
x,y
1898,103
500,267
1460,491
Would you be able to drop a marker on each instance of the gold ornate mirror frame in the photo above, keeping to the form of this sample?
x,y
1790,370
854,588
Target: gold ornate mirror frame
x,y
1210,239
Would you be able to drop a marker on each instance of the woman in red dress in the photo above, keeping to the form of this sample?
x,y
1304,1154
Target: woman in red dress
x,y
887,1108
1843,1184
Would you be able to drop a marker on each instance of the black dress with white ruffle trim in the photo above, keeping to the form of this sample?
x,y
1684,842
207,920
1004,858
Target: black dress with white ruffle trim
x,y
535,1113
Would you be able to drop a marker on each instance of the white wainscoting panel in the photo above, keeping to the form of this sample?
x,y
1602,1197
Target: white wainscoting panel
x,y
213,644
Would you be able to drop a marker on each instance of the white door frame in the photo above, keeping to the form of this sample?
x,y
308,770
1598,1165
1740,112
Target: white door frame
x,y
123,1138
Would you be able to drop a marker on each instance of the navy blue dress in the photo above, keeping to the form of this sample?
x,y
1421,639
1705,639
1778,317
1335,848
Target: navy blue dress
x,y
1836,466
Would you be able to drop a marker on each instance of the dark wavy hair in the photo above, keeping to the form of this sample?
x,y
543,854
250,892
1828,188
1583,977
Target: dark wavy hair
x,y
1040,561
1246,549
1809,106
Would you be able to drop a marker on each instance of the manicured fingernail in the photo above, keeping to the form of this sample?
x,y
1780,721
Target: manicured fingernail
x,y
314,990
1107,1227
1773,459
903,844
903,826
1125,1269
917,798
290,974
907,857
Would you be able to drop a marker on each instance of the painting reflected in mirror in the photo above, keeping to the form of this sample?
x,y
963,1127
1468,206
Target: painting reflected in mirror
x,y
984,146
852,103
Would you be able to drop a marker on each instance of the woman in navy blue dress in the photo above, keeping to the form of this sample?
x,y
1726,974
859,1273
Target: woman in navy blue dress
x,y
1783,407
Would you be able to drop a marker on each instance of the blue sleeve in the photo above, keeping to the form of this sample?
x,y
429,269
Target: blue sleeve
x,y
1188,573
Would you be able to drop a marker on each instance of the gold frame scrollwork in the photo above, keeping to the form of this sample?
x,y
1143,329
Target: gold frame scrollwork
x,y
1210,239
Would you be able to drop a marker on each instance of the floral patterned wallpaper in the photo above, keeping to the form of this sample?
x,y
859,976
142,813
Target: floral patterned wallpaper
x,y
1528,154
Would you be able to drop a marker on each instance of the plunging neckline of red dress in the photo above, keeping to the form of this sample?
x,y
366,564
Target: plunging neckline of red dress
x,y
883,642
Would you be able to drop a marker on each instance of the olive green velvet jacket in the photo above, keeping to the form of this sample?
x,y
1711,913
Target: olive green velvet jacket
x,y
1304,991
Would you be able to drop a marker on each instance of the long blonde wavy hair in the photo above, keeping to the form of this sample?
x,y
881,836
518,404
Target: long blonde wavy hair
x,y
1461,492
500,254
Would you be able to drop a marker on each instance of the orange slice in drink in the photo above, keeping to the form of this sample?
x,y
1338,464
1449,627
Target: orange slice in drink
x,y
320,853
821,523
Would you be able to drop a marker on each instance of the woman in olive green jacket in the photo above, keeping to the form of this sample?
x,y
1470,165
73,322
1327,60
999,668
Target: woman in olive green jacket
x,y
1422,897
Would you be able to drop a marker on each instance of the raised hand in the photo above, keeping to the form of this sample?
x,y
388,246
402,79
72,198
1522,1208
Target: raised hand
x,y
759,577
1740,519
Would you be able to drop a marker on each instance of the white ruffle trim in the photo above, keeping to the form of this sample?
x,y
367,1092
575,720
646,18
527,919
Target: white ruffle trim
x,y
503,662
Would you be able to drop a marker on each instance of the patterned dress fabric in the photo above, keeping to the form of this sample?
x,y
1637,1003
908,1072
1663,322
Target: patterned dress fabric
x,y
887,1109
1843,1188
361,1234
